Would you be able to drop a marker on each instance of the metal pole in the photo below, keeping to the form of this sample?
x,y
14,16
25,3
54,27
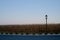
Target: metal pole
x,y
46,22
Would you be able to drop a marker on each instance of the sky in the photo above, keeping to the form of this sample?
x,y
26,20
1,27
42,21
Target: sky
x,y
29,11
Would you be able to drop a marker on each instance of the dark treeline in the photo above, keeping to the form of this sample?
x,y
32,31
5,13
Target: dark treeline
x,y
51,28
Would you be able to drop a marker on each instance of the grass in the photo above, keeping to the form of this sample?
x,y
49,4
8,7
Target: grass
x,y
37,28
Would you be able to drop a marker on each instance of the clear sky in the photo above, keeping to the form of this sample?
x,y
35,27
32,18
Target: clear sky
x,y
29,11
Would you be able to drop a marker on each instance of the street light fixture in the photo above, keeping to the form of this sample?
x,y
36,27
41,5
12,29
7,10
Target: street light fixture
x,y
46,22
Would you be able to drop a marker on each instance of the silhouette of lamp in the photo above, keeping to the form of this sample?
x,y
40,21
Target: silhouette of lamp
x,y
46,22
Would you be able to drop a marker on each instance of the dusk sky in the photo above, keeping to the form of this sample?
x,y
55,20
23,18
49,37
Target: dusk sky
x,y
29,11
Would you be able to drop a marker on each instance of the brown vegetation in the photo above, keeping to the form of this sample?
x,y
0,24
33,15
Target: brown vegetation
x,y
51,28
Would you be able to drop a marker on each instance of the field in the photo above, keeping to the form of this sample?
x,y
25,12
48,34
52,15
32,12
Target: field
x,y
34,28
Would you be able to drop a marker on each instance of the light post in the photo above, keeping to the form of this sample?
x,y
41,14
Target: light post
x,y
46,22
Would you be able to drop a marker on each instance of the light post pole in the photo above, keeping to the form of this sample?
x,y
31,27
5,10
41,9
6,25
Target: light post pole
x,y
46,22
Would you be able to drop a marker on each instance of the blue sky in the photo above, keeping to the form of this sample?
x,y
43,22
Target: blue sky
x,y
29,11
